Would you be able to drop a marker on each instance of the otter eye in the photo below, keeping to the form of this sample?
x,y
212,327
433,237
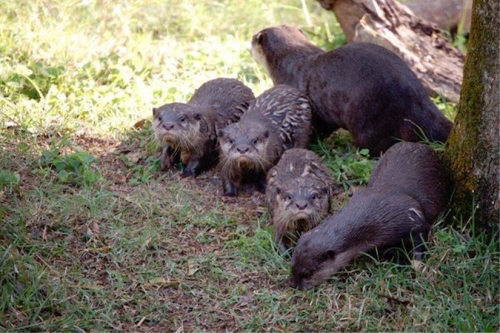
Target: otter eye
x,y
328,255
231,141
159,118
306,273
289,197
254,141
182,119
314,196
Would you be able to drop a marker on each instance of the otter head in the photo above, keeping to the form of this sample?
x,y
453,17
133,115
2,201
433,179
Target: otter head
x,y
244,147
319,254
281,49
177,124
300,206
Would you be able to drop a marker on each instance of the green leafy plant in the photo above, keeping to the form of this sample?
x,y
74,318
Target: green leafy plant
x,y
9,179
33,80
75,168
349,165
141,173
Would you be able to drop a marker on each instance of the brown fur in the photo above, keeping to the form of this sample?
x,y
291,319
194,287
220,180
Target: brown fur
x,y
298,195
279,119
407,191
187,131
361,87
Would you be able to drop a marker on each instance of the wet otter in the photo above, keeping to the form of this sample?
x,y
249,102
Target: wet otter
x,y
278,119
361,87
188,130
298,195
407,191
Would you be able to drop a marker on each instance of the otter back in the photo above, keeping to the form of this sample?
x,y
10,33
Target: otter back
x,y
188,131
298,195
415,170
279,119
391,211
361,87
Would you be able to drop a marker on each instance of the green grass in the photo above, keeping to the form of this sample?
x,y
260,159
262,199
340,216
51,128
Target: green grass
x,y
93,237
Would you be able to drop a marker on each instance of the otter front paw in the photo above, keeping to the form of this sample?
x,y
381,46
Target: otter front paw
x,y
230,189
261,186
191,169
166,158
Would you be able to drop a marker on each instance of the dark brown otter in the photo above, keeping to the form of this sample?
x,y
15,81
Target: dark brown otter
x,y
187,131
278,119
361,87
298,195
407,191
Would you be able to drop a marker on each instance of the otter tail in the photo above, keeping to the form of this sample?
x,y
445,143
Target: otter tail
x,y
427,123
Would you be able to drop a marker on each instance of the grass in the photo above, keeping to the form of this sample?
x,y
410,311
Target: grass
x,y
93,237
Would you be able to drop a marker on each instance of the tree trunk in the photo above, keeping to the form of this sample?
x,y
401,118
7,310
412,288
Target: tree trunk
x,y
473,146
437,64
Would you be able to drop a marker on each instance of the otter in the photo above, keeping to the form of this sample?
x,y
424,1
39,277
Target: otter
x,y
187,131
361,87
408,189
277,120
298,195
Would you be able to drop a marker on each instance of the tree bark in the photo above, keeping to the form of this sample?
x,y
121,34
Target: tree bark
x,y
473,146
437,64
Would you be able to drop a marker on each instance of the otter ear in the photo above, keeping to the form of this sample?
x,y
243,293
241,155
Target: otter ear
x,y
266,134
220,133
325,190
328,255
197,116
155,111
259,37
416,215
278,190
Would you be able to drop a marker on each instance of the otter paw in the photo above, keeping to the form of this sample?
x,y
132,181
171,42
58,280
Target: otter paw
x,y
187,173
229,194
166,159
230,189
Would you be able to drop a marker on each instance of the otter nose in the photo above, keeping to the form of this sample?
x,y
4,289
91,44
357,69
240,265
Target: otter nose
x,y
301,204
295,283
168,126
242,149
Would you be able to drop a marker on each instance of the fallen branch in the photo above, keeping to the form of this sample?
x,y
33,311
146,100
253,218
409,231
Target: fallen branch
x,y
419,43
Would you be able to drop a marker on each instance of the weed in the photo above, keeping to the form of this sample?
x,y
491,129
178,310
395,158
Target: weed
x,y
74,168
9,179
350,166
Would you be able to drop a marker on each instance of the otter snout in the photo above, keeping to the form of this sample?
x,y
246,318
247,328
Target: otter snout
x,y
296,283
168,125
301,204
243,149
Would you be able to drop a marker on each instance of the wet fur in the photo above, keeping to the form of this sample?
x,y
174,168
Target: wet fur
x,y
188,131
361,87
407,191
278,119
298,195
